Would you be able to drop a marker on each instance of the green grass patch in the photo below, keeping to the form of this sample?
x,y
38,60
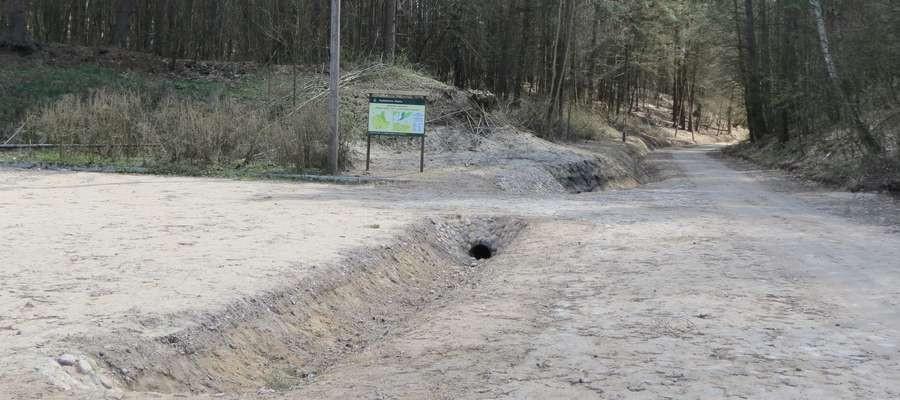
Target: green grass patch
x,y
144,164
196,126
27,86
71,158
193,89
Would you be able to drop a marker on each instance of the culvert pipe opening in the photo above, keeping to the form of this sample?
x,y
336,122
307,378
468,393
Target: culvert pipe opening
x,y
481,251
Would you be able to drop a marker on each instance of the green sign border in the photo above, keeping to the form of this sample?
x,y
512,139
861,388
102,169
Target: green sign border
x,y
399,101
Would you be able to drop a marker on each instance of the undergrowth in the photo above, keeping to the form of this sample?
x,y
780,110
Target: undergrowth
x,y
26,86
271,119
582,123
829,160
177,134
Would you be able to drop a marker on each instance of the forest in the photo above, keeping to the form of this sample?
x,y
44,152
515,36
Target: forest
x,y
801,75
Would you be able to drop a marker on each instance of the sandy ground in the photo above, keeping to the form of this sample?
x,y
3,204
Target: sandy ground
x,y
712,285
96,254
506,160
719,282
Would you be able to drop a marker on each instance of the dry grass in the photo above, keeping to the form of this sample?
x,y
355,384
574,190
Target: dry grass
x,y
104,117
830,159
585,123
582,123
174,131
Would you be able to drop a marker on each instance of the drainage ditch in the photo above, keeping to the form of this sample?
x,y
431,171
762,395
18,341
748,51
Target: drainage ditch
x,y
579,177
615,167
284,338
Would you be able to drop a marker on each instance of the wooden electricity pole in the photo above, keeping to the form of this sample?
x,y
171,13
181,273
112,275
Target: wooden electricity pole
x,y
334,102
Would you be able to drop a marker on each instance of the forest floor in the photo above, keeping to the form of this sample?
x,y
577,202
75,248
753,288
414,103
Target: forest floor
x,y
830,161
462,133
718,280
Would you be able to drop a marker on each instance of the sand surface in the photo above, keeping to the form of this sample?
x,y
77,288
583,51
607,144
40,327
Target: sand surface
x,y
88,254
719,282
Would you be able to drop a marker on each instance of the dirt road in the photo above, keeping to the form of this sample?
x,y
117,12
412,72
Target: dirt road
x,y
715,284
718,282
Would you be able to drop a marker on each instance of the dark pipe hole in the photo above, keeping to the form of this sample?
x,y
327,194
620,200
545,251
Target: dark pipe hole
x,y
481,252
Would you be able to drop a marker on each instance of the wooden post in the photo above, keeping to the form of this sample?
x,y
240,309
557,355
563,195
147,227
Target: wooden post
x,y
368,150
422,156
334,106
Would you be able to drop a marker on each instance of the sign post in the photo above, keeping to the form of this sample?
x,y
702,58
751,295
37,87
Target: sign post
x,y
398,114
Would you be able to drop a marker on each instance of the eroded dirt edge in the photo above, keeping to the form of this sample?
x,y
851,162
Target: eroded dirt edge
x,y
283,338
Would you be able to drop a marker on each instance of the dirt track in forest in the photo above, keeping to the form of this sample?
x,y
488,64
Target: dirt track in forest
x,y
716,284
719,282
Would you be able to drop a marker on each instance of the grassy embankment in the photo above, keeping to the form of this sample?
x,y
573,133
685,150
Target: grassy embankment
x,y
830,160
206,119
161,122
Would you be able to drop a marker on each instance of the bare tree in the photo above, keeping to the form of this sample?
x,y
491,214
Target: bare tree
x,y
124,10
754,97
390,29
561,48
17,36
848,110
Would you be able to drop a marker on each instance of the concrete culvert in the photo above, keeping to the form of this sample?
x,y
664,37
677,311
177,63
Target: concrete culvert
x,y
481,251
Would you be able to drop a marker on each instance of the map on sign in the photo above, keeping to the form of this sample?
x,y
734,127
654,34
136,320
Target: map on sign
x,y
393,116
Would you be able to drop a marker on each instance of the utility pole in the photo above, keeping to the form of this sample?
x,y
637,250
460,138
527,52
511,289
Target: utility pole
x,y
334,100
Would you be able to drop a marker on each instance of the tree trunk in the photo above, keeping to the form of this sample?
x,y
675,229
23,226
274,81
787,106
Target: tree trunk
x,y
504,73
692,110
554,63
523,49
675,98
372,38
730,110
17,36
850,112
124,10
787,76
624,83
684,96
172,35
755,109
592,61
315,27
389,28
764,63
567,62
676,73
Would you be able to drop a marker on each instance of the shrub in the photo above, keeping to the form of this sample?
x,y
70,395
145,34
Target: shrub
x,y
584,124
175,132
101,118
